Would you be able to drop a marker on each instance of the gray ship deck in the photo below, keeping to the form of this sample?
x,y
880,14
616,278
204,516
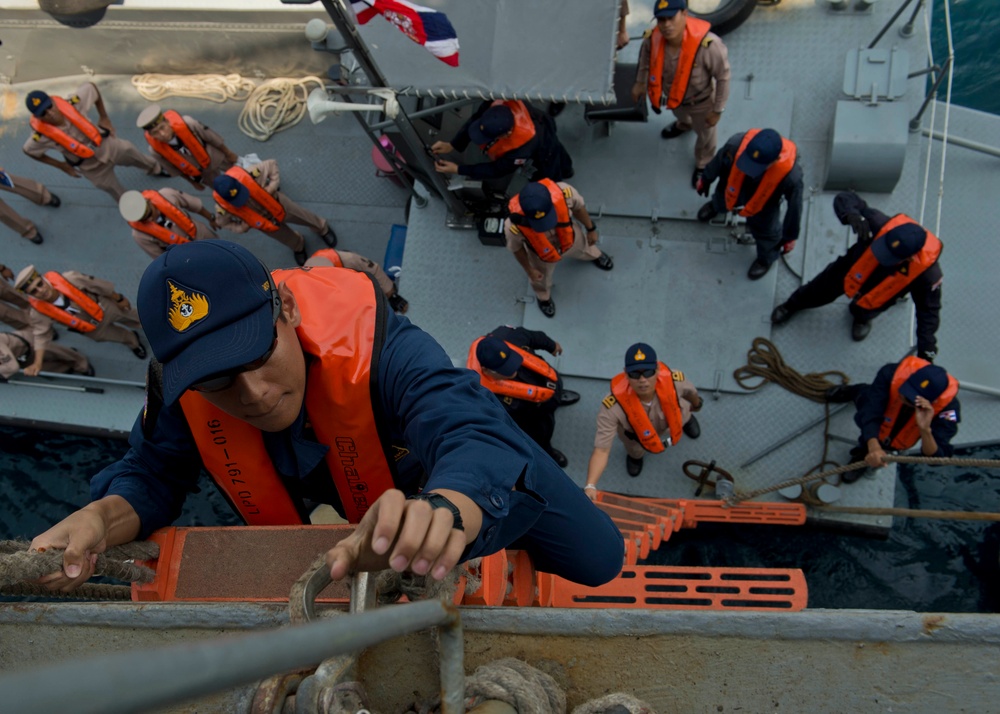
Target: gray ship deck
x,y
677,284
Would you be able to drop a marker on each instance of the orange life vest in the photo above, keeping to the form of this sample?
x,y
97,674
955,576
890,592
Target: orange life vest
x,y
511,387
173,214
340,314
637,417
75,294
267,223
775,173
695,30
523,132
192,168
330,254
564,225
61,137
894,284
903,436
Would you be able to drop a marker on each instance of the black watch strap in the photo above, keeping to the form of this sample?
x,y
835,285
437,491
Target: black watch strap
x,y
438,501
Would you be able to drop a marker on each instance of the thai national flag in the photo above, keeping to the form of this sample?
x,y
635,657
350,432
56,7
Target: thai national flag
x,y
425,26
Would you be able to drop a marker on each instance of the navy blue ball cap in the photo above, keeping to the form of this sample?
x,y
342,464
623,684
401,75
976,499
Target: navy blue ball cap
x,y
668,8
536,202
928,382
38,102
494,123
640,356
206,307
762,151
902,242
493,353
231,190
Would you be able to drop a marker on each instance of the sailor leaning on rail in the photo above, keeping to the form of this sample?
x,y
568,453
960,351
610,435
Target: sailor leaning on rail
x,y
388,432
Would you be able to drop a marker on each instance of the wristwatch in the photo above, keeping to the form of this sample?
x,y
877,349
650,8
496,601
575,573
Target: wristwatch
x,y
438,501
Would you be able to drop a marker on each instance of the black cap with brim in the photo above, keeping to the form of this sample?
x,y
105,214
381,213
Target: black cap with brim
x,y
751,168
206,307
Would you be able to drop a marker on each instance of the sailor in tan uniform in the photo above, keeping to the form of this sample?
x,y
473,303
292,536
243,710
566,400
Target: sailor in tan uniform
x,y
693,80
184,146
649,408
31,190
89,150
548,222
330,257
160,219
16,353
237,204
13,306
83,303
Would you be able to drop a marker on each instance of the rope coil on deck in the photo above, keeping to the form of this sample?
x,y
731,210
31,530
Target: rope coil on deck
x,y
19,566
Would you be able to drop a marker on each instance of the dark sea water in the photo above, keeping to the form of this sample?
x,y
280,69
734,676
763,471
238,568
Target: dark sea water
x,y
924,565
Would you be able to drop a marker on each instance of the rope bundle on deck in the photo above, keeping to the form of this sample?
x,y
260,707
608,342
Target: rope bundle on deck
x,y
764,362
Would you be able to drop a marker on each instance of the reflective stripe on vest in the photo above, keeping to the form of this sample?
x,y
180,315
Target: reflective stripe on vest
x,y
512,387
564,225
342,329
199,161
774,175
64,140
173,214
892,285
74,294
903,436
636,414
523,132
330,254
269,223
695,30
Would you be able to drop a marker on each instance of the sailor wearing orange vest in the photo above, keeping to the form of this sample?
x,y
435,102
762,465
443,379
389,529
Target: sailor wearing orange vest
x,y
510,133
89,150
528,387
756,169
33,191
548,222
17,353
184,146
908,402
684,67
82,303
253,199
13,307
302,387
331,257
160,219
892,258
649,408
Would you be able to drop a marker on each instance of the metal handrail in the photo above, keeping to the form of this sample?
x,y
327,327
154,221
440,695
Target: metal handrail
x,y
142,680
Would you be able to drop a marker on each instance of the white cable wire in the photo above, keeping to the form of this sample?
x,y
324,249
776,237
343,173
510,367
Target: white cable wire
x,y
930,135
947,113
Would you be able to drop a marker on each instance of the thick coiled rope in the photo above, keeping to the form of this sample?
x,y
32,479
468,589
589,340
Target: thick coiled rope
x,y
216,88
19,566
765,363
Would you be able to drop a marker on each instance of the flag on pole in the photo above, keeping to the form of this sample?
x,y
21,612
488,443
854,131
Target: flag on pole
x,y
425,26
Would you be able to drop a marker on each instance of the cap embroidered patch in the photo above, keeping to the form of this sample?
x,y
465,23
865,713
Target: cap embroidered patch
x,y
503,354
539,214
756,154
639,356
36,101
186,307
233,191
923,385
663,5
895,244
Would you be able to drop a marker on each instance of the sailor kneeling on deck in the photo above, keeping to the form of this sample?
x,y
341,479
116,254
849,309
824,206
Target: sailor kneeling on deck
x,y
649,408
908,402
250,369
83,303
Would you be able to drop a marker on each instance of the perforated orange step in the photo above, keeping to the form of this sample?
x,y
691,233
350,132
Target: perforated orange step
x,y
675,588
655,530
698,511
646,505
